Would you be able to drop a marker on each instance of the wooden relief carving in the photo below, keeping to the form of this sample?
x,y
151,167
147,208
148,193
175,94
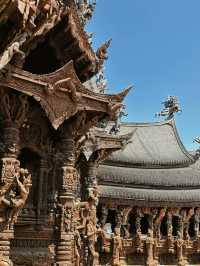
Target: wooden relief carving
x,y
14,196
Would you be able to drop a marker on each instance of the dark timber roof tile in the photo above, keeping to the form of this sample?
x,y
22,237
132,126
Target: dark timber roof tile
x,y
156,144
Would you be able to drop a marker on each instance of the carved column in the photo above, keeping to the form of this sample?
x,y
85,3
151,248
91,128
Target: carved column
x,y
150,242
104,215
196,222
14,182
91,227
92,172
9,169
138,237
66,198
42,190
170,239
179,250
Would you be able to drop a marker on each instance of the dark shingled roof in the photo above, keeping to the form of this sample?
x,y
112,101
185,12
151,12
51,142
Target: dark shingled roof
x,y
154,167
152,197
153,144
174,177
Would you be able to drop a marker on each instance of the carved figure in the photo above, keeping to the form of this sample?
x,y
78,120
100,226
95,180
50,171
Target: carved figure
x,y
67,215
171,106
93,195
69,179
19,201
117,247
102,51
91,233
52,10
150,248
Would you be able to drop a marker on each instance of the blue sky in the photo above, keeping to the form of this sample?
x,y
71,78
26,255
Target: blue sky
x,y
156,47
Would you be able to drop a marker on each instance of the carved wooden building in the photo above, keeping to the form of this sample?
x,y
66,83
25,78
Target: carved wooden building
x,y
51,137
143,207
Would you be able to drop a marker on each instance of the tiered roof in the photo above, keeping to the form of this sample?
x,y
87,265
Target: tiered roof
x,y
154,167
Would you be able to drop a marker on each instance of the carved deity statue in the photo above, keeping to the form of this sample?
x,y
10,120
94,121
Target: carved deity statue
x,y
93,195
117,247
91,233
86,226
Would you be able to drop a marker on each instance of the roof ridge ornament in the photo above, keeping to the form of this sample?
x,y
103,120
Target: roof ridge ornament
x,y
101,53
171,106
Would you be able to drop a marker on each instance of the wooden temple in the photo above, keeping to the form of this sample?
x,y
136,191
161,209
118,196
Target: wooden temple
x,y
73,192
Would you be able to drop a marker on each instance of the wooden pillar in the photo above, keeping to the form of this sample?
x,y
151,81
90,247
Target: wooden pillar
x,y
42,190
92,173
196,222
150,242
10,167
170,238
66,198
138,238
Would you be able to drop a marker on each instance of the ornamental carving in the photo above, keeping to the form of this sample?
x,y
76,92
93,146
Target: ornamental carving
x,y
13,197
69,178
9,168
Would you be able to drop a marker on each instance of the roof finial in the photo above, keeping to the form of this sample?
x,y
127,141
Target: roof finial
x,y
171,106
101,53
121,112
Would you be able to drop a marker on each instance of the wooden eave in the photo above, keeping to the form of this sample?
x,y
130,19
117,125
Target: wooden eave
x,y
68,38
104,141
71,43
58,104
